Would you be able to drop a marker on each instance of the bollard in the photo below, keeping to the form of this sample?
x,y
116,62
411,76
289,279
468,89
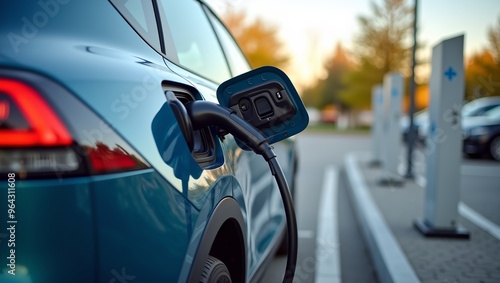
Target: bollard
x,y
377,124
391,139
445,139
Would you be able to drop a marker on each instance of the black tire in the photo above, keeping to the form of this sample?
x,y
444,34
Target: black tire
x,y
495,148
215,271
472,155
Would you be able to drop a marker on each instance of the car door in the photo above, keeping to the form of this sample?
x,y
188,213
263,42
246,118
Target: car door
x,y
262,182
203,52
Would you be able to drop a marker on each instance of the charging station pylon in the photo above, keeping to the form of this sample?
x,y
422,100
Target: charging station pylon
x,y
391,113
444,140
377,124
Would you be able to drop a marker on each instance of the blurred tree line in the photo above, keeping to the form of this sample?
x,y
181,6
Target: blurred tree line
x,y
383,45
482,69
258,40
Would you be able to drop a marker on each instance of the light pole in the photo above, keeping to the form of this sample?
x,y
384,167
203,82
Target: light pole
x,y
411,111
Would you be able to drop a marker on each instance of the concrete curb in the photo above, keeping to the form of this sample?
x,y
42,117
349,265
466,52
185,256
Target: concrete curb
x,y
390,261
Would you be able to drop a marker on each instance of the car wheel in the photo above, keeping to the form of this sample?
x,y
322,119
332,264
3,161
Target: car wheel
x,y
215,271
472,155
495,148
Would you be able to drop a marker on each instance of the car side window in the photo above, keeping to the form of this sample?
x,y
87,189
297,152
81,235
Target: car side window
x,y
237,61
195,42
141,16
485,109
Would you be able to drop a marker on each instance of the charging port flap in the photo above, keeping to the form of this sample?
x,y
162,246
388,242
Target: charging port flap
x,y
267,99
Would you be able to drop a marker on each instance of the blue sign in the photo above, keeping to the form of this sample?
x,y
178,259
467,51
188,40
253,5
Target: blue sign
x,y
433,128
450,73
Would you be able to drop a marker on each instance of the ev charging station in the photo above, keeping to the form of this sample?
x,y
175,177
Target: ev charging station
x,y
444,142
377,123
391,132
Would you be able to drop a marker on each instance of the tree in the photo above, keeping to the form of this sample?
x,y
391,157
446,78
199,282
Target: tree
x,y
482,70
333,84
310,95
482,76
494,39
258,40
325,92
382,46
359,83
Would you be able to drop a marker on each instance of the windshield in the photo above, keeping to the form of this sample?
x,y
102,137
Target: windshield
x,y
469,109
480,106
493,113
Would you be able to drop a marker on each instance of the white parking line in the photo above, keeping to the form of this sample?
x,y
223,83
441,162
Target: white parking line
x,y
327,243
479,220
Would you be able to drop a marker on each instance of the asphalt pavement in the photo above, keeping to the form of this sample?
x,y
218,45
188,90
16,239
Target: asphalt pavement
x,y
331,248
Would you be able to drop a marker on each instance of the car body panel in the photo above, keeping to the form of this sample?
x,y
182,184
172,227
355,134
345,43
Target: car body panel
x,y
142,223
480,131
54,230
470,110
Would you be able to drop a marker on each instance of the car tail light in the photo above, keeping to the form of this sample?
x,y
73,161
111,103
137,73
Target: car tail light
x,y
34,141
32,138
26,119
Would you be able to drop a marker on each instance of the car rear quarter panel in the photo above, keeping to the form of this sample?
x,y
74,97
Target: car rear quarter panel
x,y
53,232
144,226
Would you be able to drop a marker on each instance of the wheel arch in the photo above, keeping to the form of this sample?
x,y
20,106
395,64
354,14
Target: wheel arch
x,y
224,237
490,142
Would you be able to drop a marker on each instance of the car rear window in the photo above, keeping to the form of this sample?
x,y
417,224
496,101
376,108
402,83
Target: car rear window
x,y
141,17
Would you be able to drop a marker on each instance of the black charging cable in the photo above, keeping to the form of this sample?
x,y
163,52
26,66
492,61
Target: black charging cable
x,y
203,114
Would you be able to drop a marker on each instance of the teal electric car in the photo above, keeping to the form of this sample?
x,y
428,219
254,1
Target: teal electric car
x,y
99,182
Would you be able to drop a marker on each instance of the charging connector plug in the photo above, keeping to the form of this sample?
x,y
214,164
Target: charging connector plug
x,y
203,114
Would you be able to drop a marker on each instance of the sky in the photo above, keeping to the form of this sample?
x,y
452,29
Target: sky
x,y
310,29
